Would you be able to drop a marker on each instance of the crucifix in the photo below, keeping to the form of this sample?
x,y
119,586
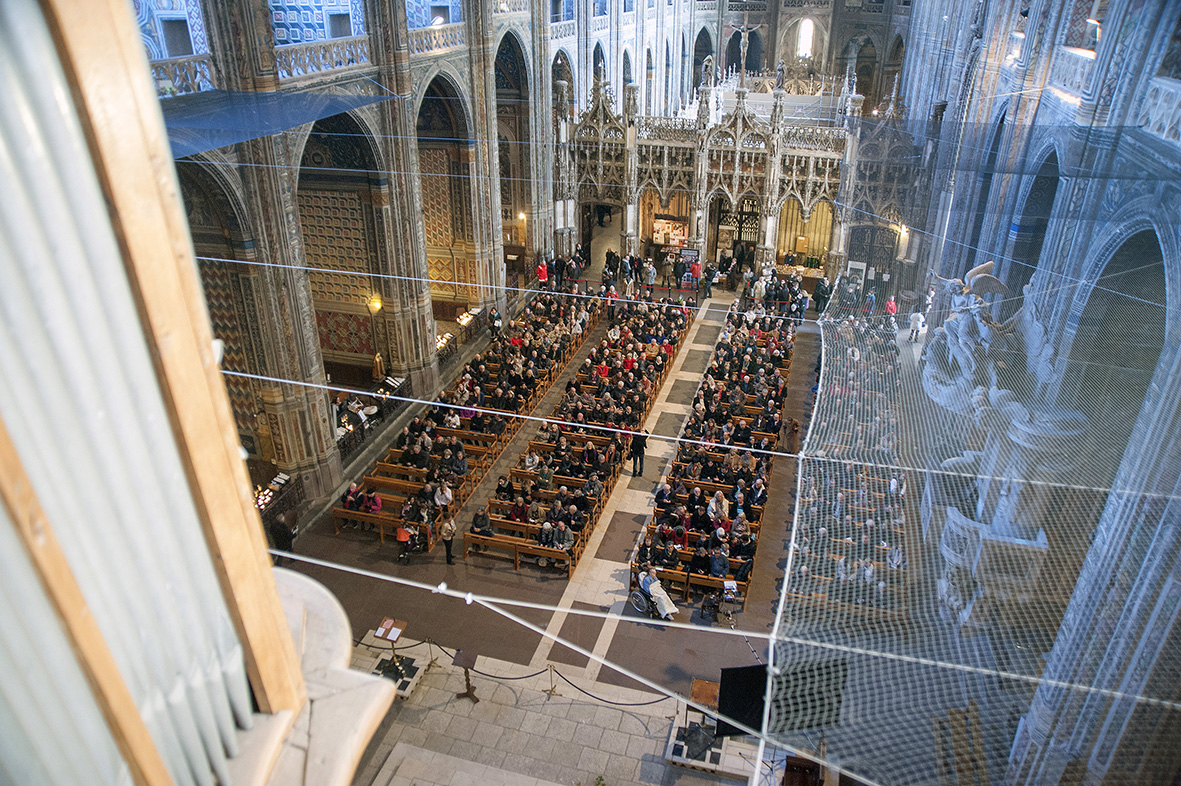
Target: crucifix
x,y
745,30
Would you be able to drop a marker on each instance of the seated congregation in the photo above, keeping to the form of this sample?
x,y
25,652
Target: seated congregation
x,y
708,511
434,464
580,451
850,539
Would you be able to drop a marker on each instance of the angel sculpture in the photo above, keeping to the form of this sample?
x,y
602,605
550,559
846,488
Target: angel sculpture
x,y
968,355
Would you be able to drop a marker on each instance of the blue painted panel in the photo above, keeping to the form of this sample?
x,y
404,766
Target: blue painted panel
x,y
149,14
299,21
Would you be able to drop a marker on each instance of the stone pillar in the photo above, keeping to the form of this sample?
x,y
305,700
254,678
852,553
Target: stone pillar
x,y
486,216
1120,626
565,187
297,418
406,323
765,253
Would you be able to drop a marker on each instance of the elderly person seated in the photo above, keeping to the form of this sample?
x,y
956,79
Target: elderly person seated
x,y
650,583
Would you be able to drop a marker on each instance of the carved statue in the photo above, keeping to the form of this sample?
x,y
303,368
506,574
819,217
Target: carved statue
x,y
707,71
970,352
780,75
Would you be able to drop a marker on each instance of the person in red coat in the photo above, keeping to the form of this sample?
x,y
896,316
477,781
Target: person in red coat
x,y
542,274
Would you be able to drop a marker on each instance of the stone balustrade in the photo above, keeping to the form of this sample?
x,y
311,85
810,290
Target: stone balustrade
x,y
314,57
561,30
829,139
1072,70
1160,114
707,6
600,23
180,76
667,129
510,6
435,39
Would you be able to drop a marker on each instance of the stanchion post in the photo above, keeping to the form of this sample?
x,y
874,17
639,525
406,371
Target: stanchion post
x,y
553,689
430,648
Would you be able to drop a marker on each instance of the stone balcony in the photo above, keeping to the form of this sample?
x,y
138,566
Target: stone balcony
x,y
1160,114
296,61
1071,72
180,76
429,40
559,31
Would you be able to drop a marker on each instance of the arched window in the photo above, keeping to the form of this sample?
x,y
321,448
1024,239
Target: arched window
x,y
804,39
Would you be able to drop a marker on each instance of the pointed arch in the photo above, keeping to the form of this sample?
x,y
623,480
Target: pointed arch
x,y
599,63
703,47
513,141
1031,232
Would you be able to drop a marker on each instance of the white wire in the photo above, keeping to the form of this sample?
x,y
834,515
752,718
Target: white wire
x,y
444,589
898,467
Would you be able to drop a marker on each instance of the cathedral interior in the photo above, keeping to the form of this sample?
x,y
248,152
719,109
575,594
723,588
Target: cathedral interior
x,y
252,251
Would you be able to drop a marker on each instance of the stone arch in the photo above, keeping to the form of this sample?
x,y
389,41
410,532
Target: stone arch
x,y
1117,326
446,154
444,82
649,81
513,137
984,188
562,71
754,51
895,59
599,63
1031,233
666,97
792,38
338,187
518,39
220,235
703,47
685,66
628,76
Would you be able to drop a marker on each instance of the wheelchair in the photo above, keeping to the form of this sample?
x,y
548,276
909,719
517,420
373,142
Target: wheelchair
x,y
642,602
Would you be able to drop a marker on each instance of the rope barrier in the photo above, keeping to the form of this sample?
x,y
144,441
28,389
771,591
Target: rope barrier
x,y
608,701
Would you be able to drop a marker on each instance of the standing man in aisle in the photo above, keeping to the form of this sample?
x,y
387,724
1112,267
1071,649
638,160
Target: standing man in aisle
x,y
821,295
447,534
639,446
916,324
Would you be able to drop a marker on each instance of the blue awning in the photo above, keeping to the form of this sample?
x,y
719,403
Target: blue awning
x,y
217,118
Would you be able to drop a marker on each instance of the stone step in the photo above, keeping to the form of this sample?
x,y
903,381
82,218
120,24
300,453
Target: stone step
x,y
408,765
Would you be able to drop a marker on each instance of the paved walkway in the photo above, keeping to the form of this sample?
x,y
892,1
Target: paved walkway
x,y
519,729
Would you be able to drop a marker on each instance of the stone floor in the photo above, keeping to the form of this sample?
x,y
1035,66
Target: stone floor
x,y
520,734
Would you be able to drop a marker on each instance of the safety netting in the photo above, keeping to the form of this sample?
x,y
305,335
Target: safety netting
x,y
219,118
980,561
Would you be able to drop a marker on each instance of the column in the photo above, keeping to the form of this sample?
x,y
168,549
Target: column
x,y
297,428
406,324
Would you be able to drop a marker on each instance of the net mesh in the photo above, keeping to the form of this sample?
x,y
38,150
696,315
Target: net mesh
x,y
986,527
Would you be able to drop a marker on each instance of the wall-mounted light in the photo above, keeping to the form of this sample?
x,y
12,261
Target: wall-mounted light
x,y
374,304
521,216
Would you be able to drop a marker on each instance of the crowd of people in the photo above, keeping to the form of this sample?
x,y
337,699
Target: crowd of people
x,y
508,377
590,434
737,414
850,543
